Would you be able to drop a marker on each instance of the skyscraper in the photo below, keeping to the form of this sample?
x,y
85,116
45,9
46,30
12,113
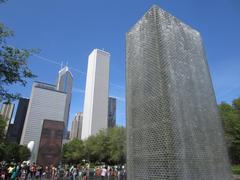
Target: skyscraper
x,y
64,84
15,130
95,110
111,112
45,103
76,130
173,126
7,112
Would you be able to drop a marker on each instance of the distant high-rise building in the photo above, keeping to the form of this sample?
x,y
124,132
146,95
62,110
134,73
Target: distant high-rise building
x,y
76,130
7,112
64,84
45,103
11,135
15,130
112,112
68,135
173,126
95,110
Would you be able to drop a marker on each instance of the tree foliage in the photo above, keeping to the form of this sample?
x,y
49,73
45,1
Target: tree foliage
x,y
117,145
13,70
93,148
23,153
2,1
14,152
2,128
97,147
13,65
11,151
107,146
230,115
73,152
236,104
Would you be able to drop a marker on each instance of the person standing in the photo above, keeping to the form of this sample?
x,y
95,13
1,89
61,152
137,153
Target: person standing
x,y
103,172
33,169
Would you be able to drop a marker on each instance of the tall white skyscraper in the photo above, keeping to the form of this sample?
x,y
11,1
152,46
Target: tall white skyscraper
x,y
64,84
95,110
76,130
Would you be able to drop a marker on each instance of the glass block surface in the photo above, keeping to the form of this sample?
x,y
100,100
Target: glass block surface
x,y
173,126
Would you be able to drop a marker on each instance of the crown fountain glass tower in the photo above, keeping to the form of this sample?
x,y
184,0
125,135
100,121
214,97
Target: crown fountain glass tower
x,y
173,126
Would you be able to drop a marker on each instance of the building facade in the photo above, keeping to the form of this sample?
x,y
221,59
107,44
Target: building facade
x,y
95,110
15,130
45,103
50,145
64,84
7,112
76,130
112,103
173,126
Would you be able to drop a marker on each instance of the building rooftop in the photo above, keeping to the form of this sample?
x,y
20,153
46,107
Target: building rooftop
x,y
46,86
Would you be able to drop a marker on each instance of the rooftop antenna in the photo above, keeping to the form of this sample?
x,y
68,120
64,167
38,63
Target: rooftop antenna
x,y
61,64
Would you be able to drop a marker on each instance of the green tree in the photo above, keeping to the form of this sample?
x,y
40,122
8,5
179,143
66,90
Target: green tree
x,y
117,145
2,129
230,116
13,65
13,70
236,104
23,153
73,152
14,152
108,146
91,149
96,147
102,145
11,152
2,151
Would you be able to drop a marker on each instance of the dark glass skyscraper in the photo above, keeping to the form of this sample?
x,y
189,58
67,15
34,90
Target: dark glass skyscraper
x,y
15,130
112,112
173,126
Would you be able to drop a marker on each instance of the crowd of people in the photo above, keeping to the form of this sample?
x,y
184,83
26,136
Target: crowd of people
x,y
25,170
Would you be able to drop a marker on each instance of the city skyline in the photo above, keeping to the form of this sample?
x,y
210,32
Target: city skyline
x,y
70,36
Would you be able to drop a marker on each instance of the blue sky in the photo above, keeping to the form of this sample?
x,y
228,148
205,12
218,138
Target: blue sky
x,y
68,30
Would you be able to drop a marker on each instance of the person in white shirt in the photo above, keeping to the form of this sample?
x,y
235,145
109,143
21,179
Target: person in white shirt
x,y
103,172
